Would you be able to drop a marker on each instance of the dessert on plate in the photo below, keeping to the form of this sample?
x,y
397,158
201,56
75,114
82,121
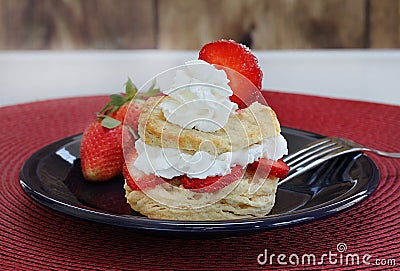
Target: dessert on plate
x,y
208,147
203,155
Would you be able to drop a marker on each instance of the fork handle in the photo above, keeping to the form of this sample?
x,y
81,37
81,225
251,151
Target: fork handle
x,y
319,161
387,154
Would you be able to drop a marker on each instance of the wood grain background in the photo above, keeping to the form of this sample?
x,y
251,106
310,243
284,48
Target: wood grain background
x,y
188,24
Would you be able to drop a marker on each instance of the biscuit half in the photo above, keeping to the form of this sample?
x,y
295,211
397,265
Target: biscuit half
x,y
237,204
244,128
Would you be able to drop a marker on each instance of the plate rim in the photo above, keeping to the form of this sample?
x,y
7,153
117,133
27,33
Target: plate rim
x,y
198,227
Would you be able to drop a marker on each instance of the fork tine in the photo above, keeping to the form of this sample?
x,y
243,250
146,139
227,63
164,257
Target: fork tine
x,y
339,151
307,150
323,152
312,151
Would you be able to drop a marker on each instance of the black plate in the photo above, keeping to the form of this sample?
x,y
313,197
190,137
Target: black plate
x,y
52,176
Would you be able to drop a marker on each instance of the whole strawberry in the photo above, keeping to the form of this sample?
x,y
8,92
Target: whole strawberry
x,y
101,152
101,148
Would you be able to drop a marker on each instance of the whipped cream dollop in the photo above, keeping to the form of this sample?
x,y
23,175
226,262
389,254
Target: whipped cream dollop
x,y
170,162
200,97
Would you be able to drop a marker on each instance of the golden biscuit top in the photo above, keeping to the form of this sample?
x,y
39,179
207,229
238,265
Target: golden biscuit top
x,y
244,128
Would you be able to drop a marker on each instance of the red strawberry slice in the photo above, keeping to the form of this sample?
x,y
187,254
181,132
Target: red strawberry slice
x,y
279,169
136,179
267,167
128,178
142,183
239,58
212,184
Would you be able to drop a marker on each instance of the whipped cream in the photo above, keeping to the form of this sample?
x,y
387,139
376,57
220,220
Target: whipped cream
x,y
169,162
200,98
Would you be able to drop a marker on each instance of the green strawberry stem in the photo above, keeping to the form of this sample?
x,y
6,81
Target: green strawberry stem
x,y
118,100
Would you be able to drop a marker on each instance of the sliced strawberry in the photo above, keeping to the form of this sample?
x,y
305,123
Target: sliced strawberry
x,y
262,166
267,167
194,183
128,178
135,178
279,169
212,184
238,58
142,183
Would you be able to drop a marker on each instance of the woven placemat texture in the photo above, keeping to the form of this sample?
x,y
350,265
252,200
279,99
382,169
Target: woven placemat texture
x,y
33,237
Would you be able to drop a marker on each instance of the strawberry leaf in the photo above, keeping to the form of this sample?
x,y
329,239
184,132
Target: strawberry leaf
x,y
130,89
151,91
117,100
104,109
110,123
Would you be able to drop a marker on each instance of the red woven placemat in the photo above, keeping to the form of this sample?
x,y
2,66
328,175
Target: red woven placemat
x,y
33,237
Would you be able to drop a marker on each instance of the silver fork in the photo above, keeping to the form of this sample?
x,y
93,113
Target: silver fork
x,y
322,150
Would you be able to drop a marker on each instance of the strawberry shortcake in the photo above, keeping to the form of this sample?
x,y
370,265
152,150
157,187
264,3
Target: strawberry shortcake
x,y
209,148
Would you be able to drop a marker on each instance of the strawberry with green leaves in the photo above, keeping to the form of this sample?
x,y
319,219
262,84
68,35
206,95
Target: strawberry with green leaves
x,y
101,145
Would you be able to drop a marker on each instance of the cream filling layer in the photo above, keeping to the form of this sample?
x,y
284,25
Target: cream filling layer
x,y
170,162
